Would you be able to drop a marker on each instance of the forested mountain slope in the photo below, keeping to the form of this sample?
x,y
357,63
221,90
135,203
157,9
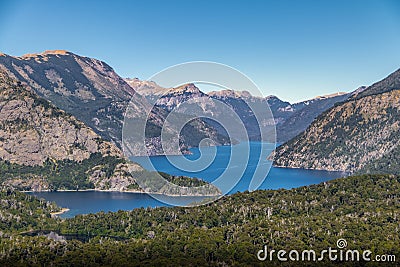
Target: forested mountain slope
x,y
362,133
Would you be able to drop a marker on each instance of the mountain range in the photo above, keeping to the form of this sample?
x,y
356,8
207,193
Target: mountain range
x,y
94,93
289,119
90,90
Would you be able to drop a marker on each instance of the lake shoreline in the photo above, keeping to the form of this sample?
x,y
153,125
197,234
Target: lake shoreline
x,y
116,191
272,178
311,169
62,211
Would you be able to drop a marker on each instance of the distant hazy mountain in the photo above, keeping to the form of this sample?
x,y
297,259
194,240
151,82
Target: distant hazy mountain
x,y
290,119
166,98
359,134
304,113
90,90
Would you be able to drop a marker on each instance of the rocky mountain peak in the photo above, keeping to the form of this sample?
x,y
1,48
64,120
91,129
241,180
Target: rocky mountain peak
x,y
146,88
358,91
188,88
230,93
330,95
47,52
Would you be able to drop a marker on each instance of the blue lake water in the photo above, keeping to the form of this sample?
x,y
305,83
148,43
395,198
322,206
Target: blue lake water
x,y
232,168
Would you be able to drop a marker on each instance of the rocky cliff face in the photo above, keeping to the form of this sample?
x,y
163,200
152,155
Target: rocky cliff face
x,y
352,135
34,133
33,130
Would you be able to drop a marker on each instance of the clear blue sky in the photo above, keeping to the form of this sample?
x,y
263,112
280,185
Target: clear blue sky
x,y
293,49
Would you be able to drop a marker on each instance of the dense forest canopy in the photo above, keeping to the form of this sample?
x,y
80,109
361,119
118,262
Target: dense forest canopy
x,y
229,231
